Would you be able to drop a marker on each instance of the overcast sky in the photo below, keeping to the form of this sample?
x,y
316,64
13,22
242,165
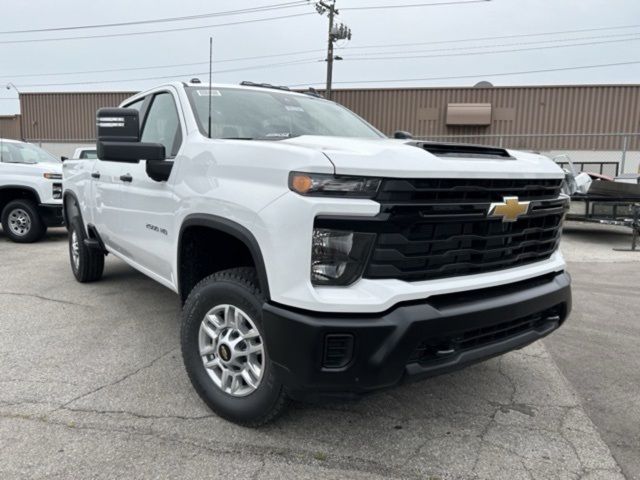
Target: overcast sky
x,y
605,32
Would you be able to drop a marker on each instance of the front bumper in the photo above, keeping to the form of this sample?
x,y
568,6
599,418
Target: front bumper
x,y
412,340
51,214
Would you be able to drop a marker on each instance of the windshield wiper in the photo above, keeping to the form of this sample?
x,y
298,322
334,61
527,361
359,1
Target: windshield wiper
x,y
266,137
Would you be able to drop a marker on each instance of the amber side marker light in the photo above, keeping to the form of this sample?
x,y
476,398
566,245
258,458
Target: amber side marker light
x,y
301,183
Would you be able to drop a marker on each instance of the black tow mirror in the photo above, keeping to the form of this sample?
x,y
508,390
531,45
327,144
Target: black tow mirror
x,y
63,158
402,134
118,125
130,152
118,133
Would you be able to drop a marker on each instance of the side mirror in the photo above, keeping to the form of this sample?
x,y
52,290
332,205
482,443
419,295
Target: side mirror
x,y
118,133
402,134
63,158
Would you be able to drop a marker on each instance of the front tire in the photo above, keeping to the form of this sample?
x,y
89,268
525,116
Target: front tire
x,y
87,264
224,351
21,221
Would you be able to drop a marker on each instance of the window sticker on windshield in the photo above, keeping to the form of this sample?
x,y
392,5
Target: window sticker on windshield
x,y
207,93
278,135
293,108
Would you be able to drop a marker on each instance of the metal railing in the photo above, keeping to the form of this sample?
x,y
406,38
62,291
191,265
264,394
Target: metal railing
x,y
611,169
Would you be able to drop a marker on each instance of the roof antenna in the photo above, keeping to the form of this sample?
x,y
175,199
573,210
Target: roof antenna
x,y
210,63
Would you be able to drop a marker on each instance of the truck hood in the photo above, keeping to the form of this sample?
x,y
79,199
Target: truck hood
x,y
407,159
46,167
54,167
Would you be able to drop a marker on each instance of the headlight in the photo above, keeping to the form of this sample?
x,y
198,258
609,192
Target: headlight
x,y
338,256
333,185
56,191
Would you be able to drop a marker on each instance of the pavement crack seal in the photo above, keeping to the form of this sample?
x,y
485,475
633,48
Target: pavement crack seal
x,y
117,381
301,456
46,299
136,415
498,408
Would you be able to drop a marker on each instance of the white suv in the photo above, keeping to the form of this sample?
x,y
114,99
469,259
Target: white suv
x,y
30,191
315,256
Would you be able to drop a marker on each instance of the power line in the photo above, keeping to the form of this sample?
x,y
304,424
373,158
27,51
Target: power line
x,y
182,75
152,67
381,7
537,42
299,52
263,8
501,37
489,52
127,34
359,57
494,74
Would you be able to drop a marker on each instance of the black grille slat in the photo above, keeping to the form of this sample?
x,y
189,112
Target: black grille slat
x,y
436,228
452,269
380,253
404,241
466,190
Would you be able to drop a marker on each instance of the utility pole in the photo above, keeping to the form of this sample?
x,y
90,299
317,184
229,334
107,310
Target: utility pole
x,y
336,32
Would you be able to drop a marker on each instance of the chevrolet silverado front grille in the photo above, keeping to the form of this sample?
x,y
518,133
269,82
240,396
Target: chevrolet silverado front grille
x,y
436,228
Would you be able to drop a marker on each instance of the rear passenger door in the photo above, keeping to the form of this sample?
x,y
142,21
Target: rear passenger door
x,y
148,206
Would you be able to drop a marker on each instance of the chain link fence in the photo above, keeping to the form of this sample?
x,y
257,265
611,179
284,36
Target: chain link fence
x,y
607,154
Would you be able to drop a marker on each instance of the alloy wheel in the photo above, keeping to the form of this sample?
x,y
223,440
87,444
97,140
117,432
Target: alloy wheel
x,y
232,350
19,222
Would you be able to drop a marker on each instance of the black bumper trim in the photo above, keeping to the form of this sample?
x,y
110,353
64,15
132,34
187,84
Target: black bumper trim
x,y
384,343
51,215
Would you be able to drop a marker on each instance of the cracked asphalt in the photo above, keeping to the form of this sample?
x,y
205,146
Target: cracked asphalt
x,y
92,386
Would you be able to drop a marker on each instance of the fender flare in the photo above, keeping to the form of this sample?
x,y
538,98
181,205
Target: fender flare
x,y
66,204
235,230
90,230
23,187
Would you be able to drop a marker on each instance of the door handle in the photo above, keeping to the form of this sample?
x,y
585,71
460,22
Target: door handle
x,y
126,178
95,174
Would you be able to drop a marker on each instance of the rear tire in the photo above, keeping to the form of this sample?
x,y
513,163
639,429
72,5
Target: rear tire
x,y
21,221
87,264
223,317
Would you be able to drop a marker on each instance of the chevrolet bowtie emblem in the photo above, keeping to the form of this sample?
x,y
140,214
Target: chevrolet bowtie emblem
x,y
509,210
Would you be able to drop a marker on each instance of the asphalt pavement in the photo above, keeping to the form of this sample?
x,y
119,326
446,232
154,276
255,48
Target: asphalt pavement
x,y
92,386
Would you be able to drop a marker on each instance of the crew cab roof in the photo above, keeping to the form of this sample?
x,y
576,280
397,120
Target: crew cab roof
x,y
255,87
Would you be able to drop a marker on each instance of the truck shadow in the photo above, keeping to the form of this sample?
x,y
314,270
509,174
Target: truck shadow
x,y
53,235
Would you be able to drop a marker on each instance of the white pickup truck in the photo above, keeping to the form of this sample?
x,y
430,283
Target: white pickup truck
x,y
314,256
30,191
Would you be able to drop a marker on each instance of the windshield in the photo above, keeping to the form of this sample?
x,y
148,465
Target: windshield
x,y
11,152
273,115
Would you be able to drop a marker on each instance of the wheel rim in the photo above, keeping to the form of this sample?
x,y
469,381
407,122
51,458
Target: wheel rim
x,y
75,250
232,351
19,222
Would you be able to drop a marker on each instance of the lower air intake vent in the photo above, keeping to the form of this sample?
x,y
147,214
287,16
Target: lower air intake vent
x,y
338,350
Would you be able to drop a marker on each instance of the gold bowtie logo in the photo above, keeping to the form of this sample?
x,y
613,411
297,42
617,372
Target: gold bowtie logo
x,y
510,209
